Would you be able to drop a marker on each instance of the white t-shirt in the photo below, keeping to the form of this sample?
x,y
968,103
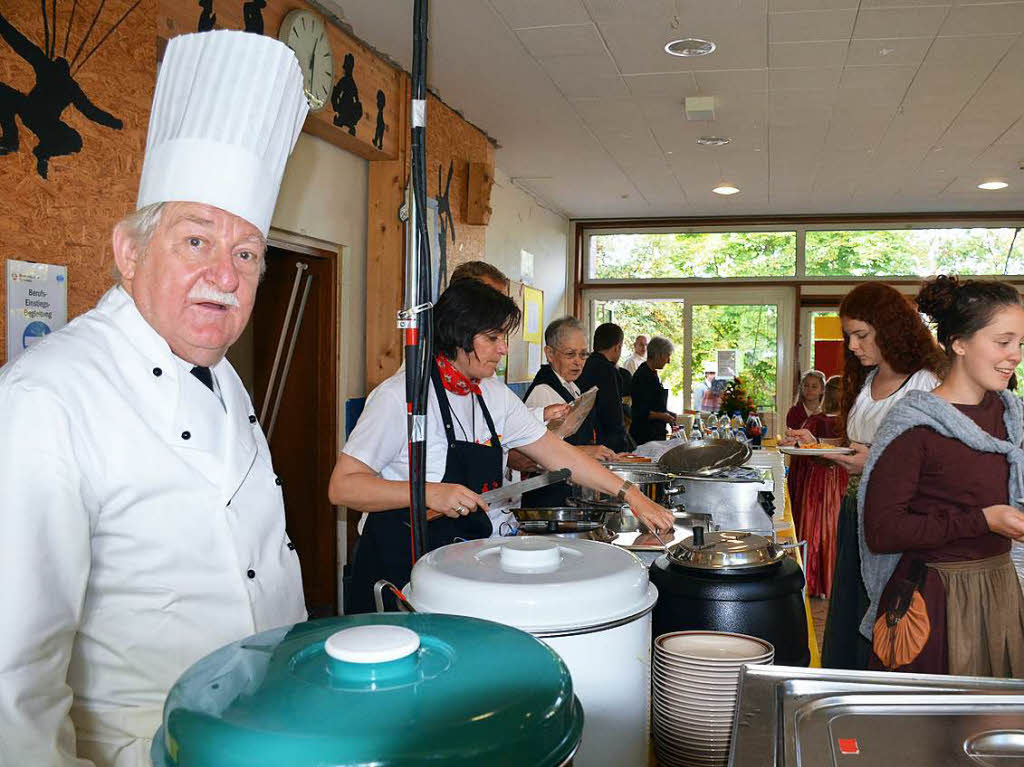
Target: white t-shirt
x,y
380,441
868,413
633,363
543,395
379,438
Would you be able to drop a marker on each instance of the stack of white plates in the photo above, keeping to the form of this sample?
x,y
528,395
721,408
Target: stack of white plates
x,y
695,676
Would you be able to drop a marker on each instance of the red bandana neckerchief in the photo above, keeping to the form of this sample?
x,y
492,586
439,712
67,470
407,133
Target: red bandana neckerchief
x,y
453,380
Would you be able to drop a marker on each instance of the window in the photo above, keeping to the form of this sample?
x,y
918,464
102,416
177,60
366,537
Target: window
x,y
683,255
914,252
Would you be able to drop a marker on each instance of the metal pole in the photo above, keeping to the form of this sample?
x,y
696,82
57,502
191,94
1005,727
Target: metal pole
x,y
299,269
291,351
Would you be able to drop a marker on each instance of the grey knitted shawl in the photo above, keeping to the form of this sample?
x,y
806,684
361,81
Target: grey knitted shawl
x,y
919,408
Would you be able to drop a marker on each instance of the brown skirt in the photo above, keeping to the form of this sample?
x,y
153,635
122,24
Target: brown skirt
x,y
984,617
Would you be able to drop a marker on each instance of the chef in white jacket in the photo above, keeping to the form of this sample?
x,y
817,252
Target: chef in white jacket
x,y
141,522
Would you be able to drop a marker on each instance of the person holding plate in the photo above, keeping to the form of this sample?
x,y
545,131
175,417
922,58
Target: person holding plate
x,y
889,353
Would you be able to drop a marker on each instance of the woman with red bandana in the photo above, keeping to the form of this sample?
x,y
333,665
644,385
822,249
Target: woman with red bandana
x,y
471,417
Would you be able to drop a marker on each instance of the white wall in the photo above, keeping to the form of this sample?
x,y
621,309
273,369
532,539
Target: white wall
x,y
520,223
323,203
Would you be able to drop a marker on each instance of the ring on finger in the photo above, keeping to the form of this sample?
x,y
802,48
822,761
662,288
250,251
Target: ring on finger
x,y
461,509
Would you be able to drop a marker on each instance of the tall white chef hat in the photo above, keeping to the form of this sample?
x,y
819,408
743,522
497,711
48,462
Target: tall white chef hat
x,y
227,111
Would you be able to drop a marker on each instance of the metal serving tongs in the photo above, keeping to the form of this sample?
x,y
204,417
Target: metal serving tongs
x,y
404,606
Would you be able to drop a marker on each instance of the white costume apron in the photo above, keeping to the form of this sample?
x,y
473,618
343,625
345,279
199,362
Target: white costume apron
x,y
144,525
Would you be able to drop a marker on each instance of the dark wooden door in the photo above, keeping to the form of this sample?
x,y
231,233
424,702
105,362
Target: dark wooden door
x,y
303,441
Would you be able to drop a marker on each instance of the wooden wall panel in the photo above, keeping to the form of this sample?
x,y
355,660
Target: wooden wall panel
x,y
371,73
67,218
451,143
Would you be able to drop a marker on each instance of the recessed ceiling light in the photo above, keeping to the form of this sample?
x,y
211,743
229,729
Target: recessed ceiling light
x,y
993,185
690,46
726,189
713,140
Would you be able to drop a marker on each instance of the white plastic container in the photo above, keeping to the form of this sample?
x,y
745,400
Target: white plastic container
x,y
591,602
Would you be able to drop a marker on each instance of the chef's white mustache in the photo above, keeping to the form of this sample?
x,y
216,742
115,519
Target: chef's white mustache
x,y
203,292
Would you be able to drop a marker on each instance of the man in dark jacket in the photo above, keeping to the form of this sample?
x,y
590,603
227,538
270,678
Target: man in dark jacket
x,y
600,371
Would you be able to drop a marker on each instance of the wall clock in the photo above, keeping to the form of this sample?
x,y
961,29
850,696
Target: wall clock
x,y
305,33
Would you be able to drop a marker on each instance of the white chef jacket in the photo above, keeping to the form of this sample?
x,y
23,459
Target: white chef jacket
x,y
142,527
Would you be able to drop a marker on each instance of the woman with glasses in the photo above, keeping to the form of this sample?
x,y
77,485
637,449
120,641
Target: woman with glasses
x,y
651,417
471,417
565,346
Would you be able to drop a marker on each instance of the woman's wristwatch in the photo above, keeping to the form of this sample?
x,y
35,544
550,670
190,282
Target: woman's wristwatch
x,y
626,487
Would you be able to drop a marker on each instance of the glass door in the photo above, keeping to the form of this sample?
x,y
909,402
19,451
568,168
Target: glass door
x,y
750,333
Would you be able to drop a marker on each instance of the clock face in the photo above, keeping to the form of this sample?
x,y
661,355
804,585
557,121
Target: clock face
x,y
305,33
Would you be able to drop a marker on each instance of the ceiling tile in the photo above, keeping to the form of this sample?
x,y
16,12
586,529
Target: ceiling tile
x,y
822,54
810,26
521,14
599,65
804,79
1003,18
891,52
711,82
611,114
572,40
866,4
899,22
782,6
894,78
605,11
1014,136
639,48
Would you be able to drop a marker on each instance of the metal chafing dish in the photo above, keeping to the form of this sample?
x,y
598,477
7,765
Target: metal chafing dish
x,y
660,486
590,523
741,498
787,717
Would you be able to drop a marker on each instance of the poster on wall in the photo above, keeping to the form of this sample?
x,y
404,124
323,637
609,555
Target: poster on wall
x,y
533,315
37,303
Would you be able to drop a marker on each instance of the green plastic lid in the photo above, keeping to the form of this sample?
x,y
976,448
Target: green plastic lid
x,y
383,690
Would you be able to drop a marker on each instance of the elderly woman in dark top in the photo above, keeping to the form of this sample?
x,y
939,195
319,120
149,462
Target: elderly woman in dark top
x,y
937,490
650,399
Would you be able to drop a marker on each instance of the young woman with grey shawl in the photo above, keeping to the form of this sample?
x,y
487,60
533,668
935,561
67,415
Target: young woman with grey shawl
x,y
934,517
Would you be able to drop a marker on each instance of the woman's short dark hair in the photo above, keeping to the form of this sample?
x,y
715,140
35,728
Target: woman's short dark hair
x,y
960,309
607,335
469,307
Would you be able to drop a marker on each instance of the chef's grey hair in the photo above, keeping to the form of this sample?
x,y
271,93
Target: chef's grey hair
x,y
555,332
659,347
139,227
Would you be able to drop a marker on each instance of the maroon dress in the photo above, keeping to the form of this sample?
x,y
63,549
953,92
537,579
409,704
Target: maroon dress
x,y
796,418
925,500
821,488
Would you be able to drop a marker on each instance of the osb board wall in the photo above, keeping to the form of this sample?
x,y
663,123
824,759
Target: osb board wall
x,y
370,73
67,217
453,142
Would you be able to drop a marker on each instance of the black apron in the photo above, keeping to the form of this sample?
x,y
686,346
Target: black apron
x,y
558,494
384,549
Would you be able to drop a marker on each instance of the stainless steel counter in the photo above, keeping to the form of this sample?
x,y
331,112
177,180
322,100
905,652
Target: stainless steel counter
x,y
790,717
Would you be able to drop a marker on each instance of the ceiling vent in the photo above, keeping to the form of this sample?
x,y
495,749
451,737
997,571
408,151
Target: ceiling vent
x,y
700,107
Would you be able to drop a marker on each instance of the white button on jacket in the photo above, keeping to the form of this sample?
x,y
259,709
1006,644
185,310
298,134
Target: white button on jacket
x,y
124,548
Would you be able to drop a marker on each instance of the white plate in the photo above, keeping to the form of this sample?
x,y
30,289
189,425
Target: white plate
x,y
713,646
817,450
707,669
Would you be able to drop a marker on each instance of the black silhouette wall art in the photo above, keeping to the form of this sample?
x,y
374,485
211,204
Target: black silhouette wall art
x,y
207,18
252,14
348,109
54,91
378,135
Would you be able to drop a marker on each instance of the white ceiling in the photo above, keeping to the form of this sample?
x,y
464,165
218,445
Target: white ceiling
x,y
833,106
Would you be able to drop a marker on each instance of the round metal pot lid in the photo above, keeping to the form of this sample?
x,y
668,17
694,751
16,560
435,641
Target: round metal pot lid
x,y
725,550
705,455
538,584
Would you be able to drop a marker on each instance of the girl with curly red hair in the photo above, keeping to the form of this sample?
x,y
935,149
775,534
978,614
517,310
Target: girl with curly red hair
x,y
889,352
